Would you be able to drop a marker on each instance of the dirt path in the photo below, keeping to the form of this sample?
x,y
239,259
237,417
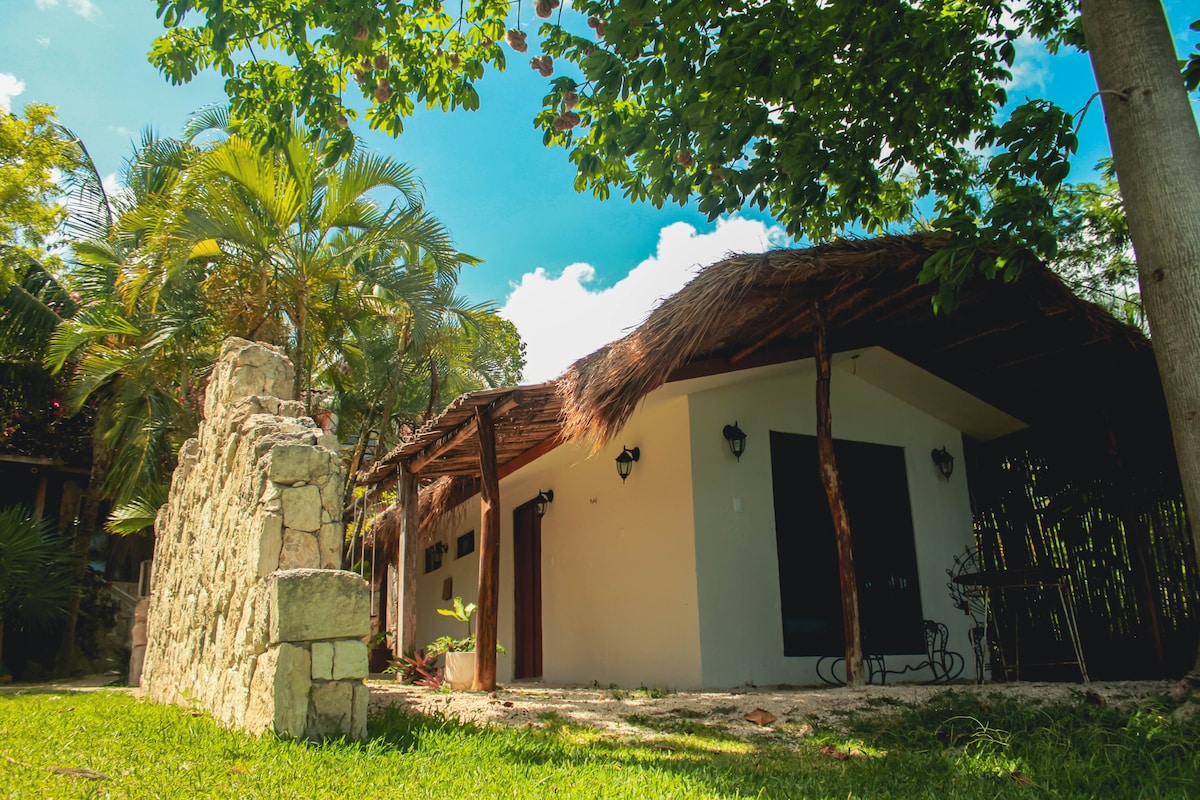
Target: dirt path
x,y
611,709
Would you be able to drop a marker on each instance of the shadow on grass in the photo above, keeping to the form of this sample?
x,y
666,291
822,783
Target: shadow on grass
x,y
957,745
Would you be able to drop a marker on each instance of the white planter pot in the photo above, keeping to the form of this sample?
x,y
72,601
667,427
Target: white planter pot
x,y
460,670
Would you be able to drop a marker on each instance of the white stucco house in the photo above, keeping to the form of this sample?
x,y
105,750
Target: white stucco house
x,y
704,570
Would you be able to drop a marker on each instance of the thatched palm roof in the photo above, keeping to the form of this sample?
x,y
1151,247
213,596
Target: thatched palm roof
x,y
1029,347
1005,342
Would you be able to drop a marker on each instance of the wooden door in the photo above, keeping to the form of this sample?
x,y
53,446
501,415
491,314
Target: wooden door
x,y
527,579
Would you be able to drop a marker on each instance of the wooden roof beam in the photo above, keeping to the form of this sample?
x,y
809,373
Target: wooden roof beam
x,y
462,433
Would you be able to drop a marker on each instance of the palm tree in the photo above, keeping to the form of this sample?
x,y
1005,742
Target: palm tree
x,y
300,245
139,359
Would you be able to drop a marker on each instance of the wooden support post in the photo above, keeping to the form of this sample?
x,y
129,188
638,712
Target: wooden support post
x,y
489,556
406,563
827,465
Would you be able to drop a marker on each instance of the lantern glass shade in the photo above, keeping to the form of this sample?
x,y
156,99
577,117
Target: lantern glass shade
x,y
945,462
736,438
625,461
543,501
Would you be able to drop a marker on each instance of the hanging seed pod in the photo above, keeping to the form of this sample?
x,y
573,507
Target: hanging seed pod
x,y
543,64
570,100
684,158
455,61
383,93
381,61
342,122
361,33
516,40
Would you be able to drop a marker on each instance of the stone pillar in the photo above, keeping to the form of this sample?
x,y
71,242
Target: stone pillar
x,y
250,618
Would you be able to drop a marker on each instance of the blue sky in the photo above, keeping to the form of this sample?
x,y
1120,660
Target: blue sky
x,y
561,261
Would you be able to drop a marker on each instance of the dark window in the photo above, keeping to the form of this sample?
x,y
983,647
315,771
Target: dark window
x,y
433,556
875,491
466,544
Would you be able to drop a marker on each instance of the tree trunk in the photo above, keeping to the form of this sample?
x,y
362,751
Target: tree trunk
x,y
489,556
1156,152
827,465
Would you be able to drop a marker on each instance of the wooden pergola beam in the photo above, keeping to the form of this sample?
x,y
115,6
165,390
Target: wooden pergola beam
x,y
460,434
406,563
489,555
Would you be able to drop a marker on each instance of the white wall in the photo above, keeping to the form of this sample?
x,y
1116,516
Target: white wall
x,y
659,581
618,588
737,565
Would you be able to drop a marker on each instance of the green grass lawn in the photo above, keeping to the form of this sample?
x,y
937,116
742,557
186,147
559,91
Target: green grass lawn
x,y
107,744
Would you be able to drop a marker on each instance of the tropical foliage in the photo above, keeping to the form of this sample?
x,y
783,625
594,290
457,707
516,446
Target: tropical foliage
x,y
32,149
209,237
35,575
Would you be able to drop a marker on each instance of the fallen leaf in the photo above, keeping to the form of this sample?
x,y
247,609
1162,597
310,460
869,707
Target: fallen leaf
x,y
508,703
1021,777
80,772
833,752
761,717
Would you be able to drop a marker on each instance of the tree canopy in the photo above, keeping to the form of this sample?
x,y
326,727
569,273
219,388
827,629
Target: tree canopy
x,y
33,150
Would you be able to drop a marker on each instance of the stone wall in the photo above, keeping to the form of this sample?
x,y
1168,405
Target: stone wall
x,y
250,617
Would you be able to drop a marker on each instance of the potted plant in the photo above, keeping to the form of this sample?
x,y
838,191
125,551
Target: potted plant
x,y
460,653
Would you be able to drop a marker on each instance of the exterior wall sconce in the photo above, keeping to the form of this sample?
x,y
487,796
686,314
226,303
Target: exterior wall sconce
x,y
944,461
736,438
625,461
542,502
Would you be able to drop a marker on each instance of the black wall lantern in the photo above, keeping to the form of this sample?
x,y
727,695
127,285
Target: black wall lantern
x,y
944,461
736,438
543,501
625,461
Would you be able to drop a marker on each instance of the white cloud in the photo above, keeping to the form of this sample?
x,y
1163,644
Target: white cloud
x,y
44,41
562,319
10,87
1031,69
84,8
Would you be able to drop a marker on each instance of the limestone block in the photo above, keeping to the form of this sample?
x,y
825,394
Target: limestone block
x,y
328,441
331,712
272,498
312,604
322,661
292,408
358,711
279,691
332,539
332,497
297,462
349,659
302,508
245,369
269,542
300,550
